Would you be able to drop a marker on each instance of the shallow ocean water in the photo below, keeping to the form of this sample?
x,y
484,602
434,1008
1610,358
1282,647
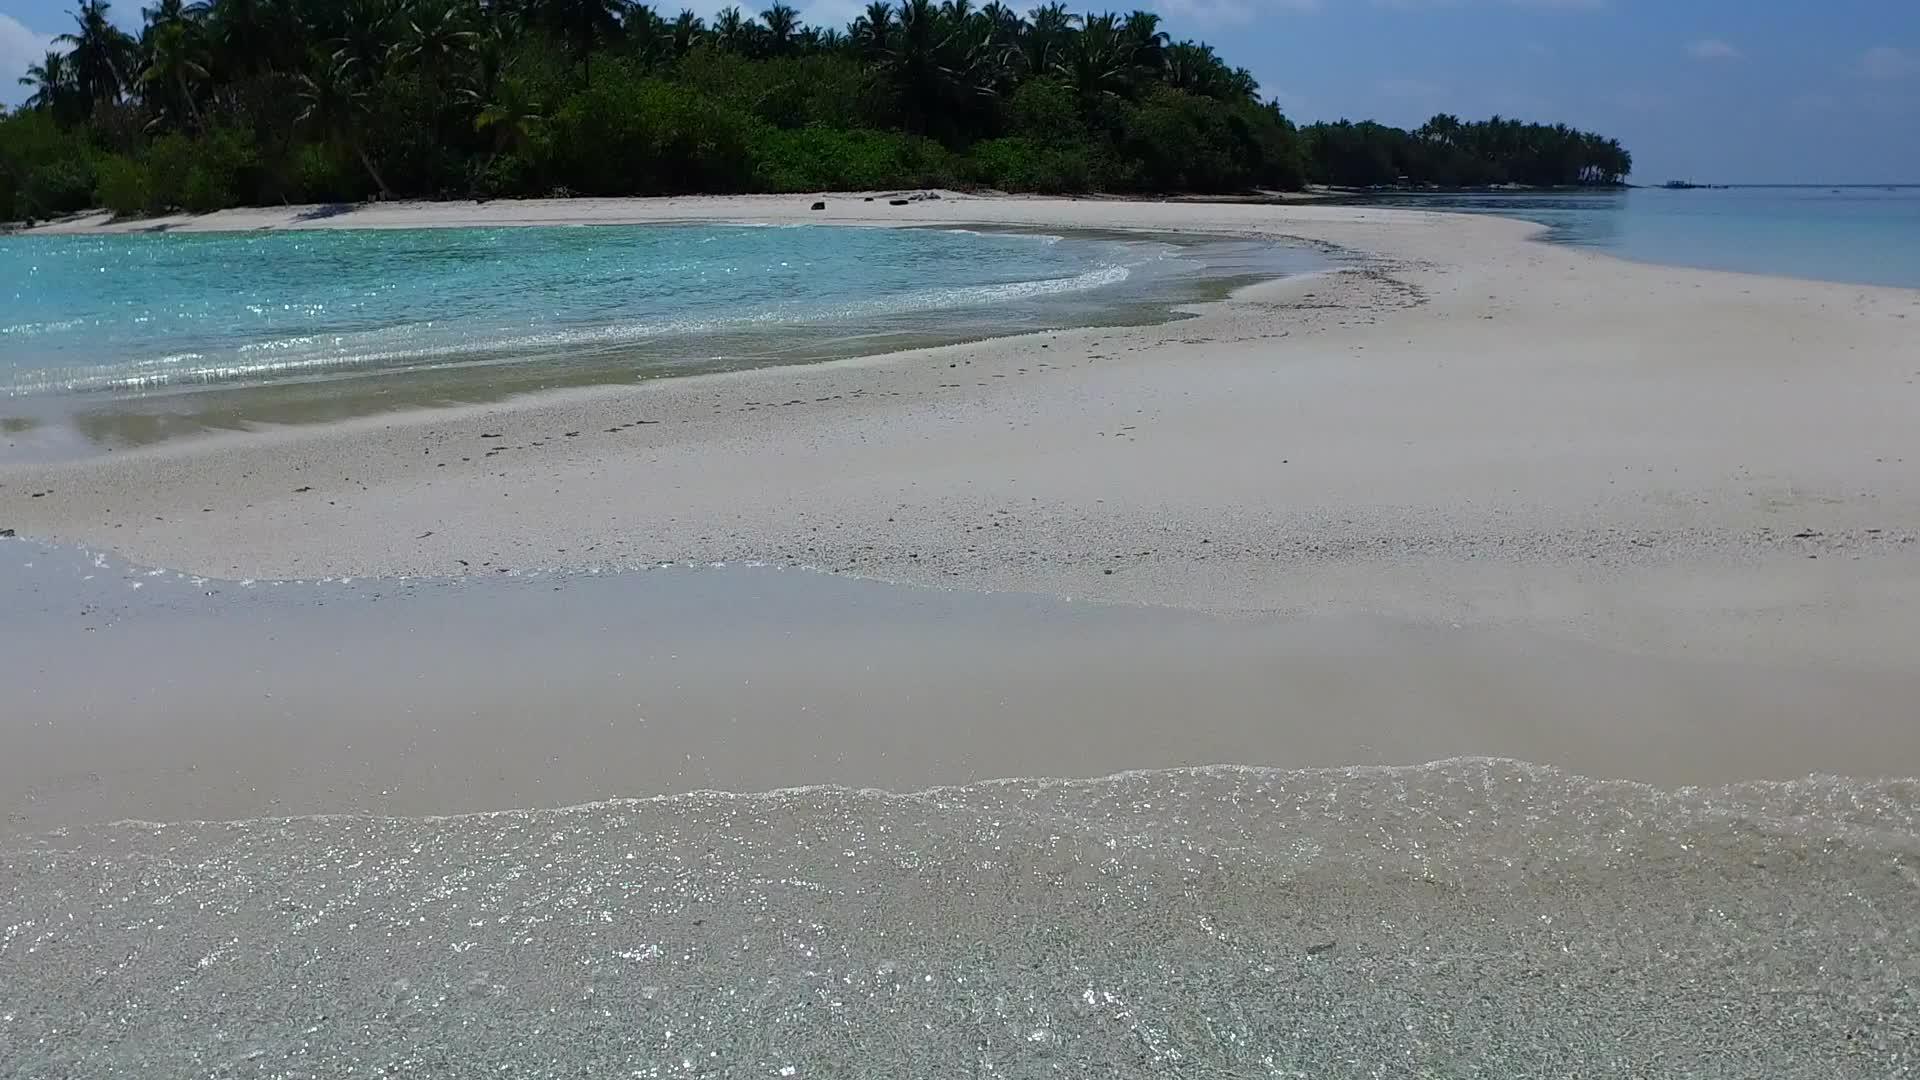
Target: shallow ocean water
x,y
1472,917
1866,234
134,313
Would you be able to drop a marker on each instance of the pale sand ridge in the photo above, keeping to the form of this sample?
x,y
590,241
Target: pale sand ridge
x,y
1465,426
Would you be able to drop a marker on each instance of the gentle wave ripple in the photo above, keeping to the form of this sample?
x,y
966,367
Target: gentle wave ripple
x,y
153,311
1469,918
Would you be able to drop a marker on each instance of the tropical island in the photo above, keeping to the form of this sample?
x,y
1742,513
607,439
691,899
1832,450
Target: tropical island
x,y
261,102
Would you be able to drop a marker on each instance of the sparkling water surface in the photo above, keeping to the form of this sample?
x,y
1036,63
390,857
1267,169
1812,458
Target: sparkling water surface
x,y
1857,234
143,312
1472,918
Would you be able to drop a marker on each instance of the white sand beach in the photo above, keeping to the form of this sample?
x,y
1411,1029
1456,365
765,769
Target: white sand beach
x,y
1470,495
1466,427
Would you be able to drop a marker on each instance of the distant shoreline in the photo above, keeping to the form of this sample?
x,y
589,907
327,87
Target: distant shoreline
x,y
101,219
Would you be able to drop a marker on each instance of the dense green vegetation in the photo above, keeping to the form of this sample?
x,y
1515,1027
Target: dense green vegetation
x,y
263,101
1447,152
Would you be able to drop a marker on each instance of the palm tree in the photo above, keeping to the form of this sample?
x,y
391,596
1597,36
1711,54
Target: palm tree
x,y
1444,129
433,40
1194,68
976,59
648,35
688,30
493,57
176,63
1141,29
332,101
1098,62
1006,22
1241,85
102,55
872,32
512,115
52,83
1049,30
783,23
1191,67
240,30
366,35
584,23
732,30
164,12
915,58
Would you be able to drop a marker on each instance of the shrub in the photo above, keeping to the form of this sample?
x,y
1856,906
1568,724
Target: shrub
x,y
503,176
200,175
791,92
169,159
1276,155
122,186
414,145
1022,164
825,159
1046,110
1183,143
58,187
632,135
323,173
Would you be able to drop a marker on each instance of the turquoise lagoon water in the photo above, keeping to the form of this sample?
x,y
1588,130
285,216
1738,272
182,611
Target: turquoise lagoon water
x,y
1860,234
154,312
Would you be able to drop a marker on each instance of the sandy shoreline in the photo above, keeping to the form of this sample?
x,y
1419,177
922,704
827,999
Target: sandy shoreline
x,y
1467,426
161,698
1473,496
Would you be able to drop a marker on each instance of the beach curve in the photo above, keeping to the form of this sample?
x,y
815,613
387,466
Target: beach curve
x,y
1464,425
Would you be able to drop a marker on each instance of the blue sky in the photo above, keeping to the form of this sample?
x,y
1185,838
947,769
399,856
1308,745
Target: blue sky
x,y
1713,90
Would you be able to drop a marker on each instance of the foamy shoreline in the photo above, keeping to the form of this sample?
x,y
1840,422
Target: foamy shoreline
x,y
1468,427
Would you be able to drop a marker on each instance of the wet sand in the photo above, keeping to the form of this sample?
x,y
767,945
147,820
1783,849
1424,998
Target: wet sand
x,y
1472,496
157,697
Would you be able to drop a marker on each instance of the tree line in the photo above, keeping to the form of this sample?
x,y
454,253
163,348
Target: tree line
x,y
228,102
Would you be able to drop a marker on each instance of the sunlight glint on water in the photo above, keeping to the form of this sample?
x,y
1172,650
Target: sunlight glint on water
x,y
147,311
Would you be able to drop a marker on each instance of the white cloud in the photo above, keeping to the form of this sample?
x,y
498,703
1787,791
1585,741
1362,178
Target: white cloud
x,y
1886,63
1712,49
19,47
